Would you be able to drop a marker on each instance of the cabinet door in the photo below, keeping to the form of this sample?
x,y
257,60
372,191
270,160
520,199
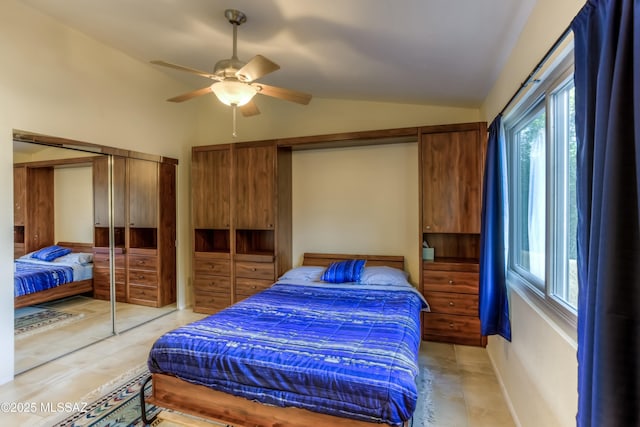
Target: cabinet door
x,y
39,225
143,193
19,194
452,181
254,172
211,188
101,191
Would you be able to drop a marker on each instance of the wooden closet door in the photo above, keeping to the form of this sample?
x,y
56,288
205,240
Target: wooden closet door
x,y
255,187
101,191
19,194
211,188
143,193
39,226
452,182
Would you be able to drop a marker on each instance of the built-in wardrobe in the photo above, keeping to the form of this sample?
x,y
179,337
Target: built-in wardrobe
x,y
241,211
144,230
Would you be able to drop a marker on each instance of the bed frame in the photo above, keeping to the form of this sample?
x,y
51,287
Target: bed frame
x,y
173,393
62,291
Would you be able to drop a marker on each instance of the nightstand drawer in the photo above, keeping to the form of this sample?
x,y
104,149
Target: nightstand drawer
x,y
256,270
452,303
450,281
452,329
210,302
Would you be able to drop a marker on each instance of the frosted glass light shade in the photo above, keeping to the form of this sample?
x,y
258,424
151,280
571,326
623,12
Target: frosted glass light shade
x,y
231,92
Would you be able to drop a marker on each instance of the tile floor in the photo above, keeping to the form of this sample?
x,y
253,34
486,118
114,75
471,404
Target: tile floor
x,y
461,389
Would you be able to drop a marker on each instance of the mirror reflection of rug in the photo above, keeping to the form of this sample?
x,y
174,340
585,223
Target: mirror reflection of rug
x,y
33,320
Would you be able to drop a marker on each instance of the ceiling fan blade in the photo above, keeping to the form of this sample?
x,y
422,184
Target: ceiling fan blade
x,y
257,67
286,94
249,109
187,69
187,96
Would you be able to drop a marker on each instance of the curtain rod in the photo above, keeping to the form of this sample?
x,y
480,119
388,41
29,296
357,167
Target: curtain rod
x,y
537,68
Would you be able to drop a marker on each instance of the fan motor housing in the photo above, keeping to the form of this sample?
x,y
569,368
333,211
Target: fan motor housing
x,y
226,68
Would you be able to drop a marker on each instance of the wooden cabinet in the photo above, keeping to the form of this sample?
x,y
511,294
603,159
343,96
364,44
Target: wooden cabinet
x,y
212,281
451,168
144,230
211,186
142,177
101,284
255,187
241,211
451,288
101,191
33,208
452,179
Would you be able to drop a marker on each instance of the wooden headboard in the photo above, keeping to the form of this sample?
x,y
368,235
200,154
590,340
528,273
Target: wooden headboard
x,y
324,260
77,246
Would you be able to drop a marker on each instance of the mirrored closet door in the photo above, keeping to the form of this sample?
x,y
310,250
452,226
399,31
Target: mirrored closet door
x,y
113,222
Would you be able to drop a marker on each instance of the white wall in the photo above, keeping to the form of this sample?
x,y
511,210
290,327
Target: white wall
x,y
538,369
73,204
360,200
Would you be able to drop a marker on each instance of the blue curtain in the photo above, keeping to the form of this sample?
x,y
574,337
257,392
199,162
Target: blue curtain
x,y
493,301
607,81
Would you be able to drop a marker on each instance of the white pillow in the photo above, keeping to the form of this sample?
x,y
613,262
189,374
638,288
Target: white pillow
x,y
383,275
82,258
304,274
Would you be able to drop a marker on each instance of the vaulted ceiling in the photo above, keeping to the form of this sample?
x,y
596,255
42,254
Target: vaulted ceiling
x,y
446,52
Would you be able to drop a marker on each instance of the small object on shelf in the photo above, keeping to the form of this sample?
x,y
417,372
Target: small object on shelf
x,y
428,254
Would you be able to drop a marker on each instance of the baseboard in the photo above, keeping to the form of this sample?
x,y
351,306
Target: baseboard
x,y
507,399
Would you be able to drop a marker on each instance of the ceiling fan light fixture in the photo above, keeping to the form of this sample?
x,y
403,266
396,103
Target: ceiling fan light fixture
x,y
233,92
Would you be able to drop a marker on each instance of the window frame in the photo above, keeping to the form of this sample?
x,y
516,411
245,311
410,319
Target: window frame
x,y
541,94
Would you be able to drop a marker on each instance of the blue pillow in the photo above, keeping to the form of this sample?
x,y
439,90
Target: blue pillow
x,y
50,253
344,271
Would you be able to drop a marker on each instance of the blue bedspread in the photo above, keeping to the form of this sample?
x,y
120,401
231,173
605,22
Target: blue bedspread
x,y
349,351
32,276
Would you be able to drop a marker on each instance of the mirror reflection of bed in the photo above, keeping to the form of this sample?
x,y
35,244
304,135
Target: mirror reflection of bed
x,y
56,321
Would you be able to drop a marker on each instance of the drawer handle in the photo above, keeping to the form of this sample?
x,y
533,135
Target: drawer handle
x,y
451,282
253,286
451,304
253,269
140,277
450,325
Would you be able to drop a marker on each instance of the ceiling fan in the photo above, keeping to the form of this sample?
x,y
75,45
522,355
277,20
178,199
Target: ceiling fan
x,y
235,81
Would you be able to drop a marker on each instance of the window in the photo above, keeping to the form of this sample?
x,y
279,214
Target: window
x,y
541,145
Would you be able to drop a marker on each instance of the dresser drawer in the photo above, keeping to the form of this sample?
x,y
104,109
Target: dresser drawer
x,y
450,281
451,303
247,287
206,283
143,295
143,262
101,259
452,329
256,270
143,277
210,302
203,265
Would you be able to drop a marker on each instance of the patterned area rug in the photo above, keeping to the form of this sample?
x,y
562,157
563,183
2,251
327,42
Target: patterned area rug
x,y
33,320
118,407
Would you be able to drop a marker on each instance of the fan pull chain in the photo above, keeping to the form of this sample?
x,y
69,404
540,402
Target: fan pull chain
x,y
234,134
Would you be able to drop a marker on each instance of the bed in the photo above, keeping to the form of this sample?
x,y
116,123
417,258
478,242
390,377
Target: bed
x,y
37,280
301,353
